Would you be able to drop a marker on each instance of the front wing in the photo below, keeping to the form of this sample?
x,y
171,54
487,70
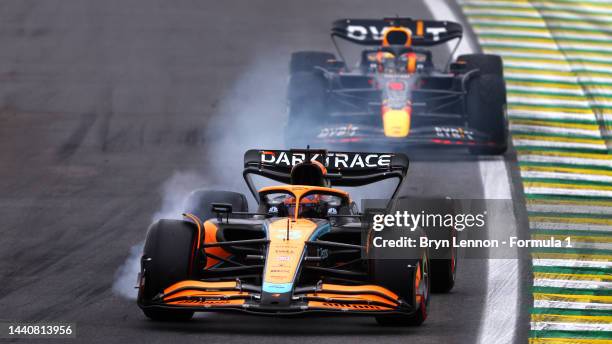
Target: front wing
x,y
326,298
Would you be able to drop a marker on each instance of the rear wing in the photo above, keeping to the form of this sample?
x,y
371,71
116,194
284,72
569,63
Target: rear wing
x,y
370,31
343,168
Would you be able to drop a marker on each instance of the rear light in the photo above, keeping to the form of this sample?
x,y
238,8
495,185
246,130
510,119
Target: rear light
x,y
444,142
396,86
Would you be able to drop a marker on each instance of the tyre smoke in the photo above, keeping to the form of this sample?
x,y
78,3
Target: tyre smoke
x,y
127,274
251,115
175,192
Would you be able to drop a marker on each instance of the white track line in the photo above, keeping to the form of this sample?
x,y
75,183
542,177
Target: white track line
x,y
578,284
574,208
559,326
571,305
568,226
567,263
500,311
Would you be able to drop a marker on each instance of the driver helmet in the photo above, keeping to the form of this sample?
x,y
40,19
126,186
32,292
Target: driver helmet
x,y
311,173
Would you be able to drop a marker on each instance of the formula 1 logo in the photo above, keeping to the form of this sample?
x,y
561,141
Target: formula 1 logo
x,y
361,33
331,160
341,131
454,133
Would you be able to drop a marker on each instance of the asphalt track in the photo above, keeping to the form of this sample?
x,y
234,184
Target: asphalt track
x,y
104,102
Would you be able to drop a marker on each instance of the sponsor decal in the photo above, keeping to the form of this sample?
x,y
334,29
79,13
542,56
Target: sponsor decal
x,y
341,131
454,133
323,252
435,32
294,234
333,160
361,33
283,251
284,256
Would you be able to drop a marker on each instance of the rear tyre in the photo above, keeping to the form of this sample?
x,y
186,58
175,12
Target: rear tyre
x,y
486,102
442,260
167,258
307,95
487,64
200,202
443,272
306,61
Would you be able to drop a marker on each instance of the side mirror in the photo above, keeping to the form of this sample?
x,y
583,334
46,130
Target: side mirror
x,y
220,209
335,64
458,67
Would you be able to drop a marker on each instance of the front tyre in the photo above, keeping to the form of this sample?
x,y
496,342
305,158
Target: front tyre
x,y
419,292
167,258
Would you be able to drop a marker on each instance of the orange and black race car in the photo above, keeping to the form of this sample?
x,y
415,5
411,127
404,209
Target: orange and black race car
x,y
306,248
394,94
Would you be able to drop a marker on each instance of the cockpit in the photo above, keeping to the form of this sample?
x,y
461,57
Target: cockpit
x,y
303,202
405,61
396,54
